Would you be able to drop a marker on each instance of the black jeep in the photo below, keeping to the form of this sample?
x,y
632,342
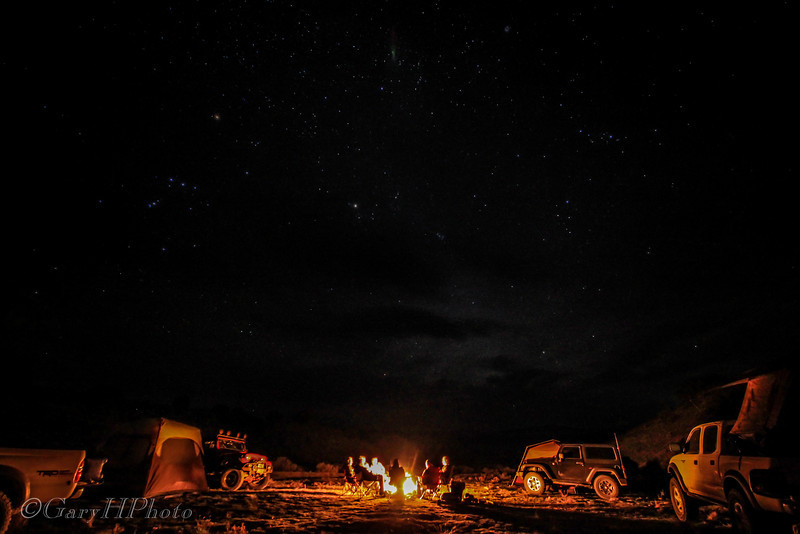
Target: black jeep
x,y
229,465
554,465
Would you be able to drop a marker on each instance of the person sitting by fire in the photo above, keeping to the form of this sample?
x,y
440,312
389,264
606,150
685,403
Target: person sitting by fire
x,y
365,474
397,477
376,468
446,473
350,474
429,480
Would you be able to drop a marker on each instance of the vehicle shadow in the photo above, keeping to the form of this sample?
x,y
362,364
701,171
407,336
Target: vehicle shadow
x,y
548,520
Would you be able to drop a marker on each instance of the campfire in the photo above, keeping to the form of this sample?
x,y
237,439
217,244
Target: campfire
x,y
409,486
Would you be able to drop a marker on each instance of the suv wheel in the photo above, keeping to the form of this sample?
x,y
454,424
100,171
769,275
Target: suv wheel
x,y
534,483
685,509
232,479
744,517
606,487
261,483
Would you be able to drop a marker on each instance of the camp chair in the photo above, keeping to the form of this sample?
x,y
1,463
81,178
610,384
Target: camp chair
x,y
440,490
351,487
445,484
451,493
430,491
370,488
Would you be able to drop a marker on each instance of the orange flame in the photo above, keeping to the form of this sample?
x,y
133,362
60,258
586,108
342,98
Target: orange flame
x,y
409,486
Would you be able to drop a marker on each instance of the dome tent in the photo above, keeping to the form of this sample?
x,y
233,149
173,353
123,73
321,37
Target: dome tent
x,y
150,457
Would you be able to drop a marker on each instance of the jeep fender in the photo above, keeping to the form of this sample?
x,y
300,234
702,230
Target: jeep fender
x,y
734,479
539,468
15,485
596,472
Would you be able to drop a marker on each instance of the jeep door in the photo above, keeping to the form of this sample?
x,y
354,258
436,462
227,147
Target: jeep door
x,y
571,466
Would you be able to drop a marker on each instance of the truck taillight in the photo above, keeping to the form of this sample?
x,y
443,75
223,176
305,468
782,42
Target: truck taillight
x,y
78,472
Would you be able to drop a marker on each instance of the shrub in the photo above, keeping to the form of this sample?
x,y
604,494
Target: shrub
x,y
282,463
323,467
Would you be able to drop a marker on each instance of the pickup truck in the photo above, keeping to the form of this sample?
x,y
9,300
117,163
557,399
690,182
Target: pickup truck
x,y
714,465
555,465
43,474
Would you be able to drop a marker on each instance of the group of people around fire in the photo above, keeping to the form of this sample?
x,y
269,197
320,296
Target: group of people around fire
x,y
431,478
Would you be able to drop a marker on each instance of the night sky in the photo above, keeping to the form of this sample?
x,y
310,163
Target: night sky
x,y
455,224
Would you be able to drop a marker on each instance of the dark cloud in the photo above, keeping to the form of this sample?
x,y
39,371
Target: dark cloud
x,y
397,323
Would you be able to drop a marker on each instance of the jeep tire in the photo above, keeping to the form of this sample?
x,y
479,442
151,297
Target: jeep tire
x,y
232,479
685,508
534,483
606,487
261,483
5,512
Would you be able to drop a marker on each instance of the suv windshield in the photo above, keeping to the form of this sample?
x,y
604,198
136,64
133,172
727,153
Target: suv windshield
x,y
231,444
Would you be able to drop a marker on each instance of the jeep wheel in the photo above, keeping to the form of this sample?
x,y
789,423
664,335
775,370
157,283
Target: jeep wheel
x,y
685,509
534,483
260,483
606,487
745,519
5,512
232,480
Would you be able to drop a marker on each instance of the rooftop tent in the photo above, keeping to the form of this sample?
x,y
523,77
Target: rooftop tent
x,y
545,449
537,451
152,457
764,401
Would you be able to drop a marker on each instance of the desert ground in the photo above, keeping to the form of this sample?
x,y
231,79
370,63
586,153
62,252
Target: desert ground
x,y
317,505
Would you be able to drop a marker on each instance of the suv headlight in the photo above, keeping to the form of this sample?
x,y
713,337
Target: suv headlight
x,y
769,482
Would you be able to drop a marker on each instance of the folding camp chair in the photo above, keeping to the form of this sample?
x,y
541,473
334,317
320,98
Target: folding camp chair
x,y
452,492
351,487
370,488
445,480
430,493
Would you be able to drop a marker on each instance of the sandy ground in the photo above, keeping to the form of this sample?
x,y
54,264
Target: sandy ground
x,y
308,506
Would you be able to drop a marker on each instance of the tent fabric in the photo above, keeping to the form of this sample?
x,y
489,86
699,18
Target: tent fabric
x,y
546,449
154,456
177,461
762,404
